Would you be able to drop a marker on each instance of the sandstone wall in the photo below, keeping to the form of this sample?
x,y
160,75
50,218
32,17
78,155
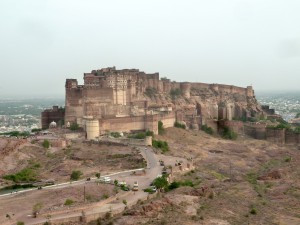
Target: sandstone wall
x,y
56,114
73,104
257,131
124,124
275,135
236,126
212,123
291,137
127,124
168,120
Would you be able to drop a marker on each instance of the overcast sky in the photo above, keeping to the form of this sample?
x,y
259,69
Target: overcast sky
x,y
239,42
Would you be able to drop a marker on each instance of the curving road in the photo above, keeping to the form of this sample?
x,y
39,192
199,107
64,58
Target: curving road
x,y
153,169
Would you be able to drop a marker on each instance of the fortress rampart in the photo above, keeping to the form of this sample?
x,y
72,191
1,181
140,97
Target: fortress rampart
x,y
116,98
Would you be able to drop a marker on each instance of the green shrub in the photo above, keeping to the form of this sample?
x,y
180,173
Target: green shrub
x,y
20,223
35,130
17,134
46,143
287,158
161,129
179,125
115,134
187,183
69,202
253,210
160,182
174,185
124,202
177,184
149,133
229,134
140,135
75,175
74,126
252,178
163,145
105,196
175,93
207,129
25,175
150,92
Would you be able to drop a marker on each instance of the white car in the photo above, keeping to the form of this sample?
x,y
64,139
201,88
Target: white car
x,y
105,179
122,183
153,188
135,186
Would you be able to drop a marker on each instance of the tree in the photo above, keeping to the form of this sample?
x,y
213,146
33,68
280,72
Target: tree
x,y
98,175
75,175
160,182
46,143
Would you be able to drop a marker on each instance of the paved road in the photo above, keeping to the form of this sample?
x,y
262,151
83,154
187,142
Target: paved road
x,y
153,169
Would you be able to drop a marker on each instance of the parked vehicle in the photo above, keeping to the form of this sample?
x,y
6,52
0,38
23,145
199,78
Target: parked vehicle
x,y
135,186
105,179
122,183
161,163
153,188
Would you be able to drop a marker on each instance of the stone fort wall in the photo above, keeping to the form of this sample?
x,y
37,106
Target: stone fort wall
x,y
116,98
127,124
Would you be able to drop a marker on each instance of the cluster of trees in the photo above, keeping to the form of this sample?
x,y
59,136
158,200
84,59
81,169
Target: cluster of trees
x,y
25,175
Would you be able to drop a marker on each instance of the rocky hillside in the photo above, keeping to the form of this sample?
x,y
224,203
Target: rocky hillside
x,y
234,182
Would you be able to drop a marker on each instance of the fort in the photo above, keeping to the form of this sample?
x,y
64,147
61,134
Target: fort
x,y
131,100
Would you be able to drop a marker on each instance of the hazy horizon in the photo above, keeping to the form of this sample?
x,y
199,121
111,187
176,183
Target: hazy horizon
x,y
236,42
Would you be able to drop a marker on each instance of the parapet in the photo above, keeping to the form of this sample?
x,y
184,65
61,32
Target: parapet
x,y
71,83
